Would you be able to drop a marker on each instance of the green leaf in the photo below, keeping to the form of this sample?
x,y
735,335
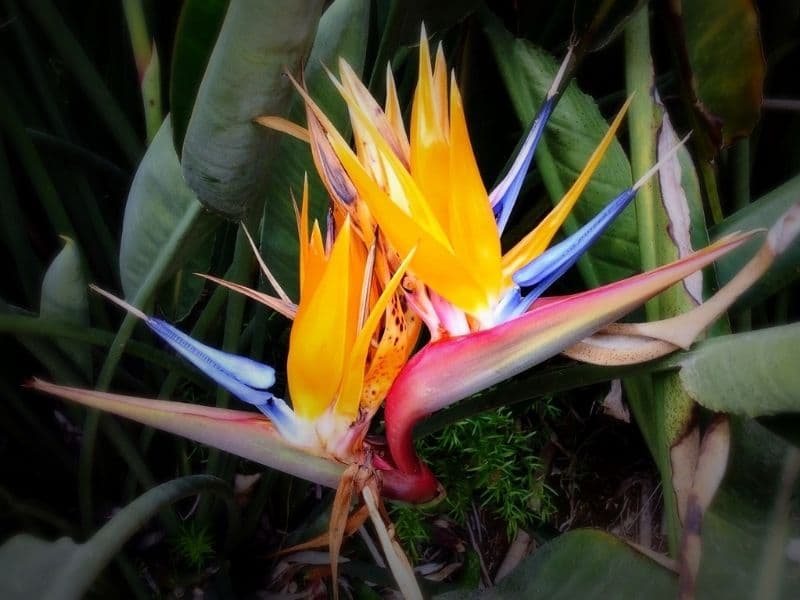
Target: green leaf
x,y
761,214
226,156
583,563
64,569
750,373
746,532
342,32
724,53
158,201
198,27
64,299
574,131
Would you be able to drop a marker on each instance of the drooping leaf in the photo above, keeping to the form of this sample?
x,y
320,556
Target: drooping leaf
x,y
342,33
64,299
64,569
198,27
751,373
226,156
574,131
158,202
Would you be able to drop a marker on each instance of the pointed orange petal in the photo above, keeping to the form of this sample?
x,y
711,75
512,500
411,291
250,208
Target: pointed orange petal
x,y
318,338
434,262
473,230
395,116
429,139
440,89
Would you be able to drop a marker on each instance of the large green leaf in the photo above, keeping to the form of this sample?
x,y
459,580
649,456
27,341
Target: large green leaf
x,y
159,200
64,299
761,214
198,27
753,373
64,569
342,33
582,564
226,156
574,131
726,62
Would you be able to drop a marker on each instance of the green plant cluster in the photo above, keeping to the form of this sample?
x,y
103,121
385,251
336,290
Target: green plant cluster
x,y
491,462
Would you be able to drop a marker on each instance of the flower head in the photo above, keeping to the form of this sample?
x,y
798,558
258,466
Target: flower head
x,y
412,235
484,308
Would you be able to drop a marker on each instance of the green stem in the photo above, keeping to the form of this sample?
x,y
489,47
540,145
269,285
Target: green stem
x,y
655,412
773,562
147,65
145,293
643,126
708,177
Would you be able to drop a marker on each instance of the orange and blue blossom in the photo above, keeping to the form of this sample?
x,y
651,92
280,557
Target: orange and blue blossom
x,y
412,235
351,334
423,190
484,309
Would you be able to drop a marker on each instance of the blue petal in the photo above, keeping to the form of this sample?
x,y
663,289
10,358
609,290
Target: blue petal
x,y
505,194
245,370
246,379
546,268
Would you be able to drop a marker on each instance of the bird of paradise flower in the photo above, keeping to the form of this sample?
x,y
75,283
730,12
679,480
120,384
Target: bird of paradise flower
x,y
414,235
